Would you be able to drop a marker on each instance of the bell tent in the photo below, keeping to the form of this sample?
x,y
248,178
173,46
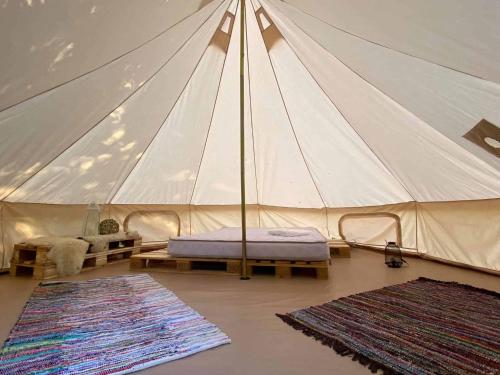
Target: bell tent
x,y
375,121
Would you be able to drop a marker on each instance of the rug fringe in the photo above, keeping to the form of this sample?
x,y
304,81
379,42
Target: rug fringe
x,y
338,346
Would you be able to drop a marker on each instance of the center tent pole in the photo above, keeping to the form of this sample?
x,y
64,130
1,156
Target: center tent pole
x,y
244,275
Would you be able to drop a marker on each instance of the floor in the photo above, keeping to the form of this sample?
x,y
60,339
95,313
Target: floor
x,y
244,310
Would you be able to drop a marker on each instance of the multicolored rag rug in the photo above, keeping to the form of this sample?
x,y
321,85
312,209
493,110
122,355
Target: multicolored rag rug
x,y
420,327
115,325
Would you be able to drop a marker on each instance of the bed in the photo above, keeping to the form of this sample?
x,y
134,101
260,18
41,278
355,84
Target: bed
x,y
305,244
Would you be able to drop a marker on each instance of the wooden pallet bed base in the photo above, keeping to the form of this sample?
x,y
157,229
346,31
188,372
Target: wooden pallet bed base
x,y
146,260
339,249
283,269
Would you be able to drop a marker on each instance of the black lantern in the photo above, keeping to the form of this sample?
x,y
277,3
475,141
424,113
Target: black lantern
x,y
393,256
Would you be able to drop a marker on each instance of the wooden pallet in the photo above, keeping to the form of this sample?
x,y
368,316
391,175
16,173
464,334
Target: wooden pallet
x,y
102,258
116,244
283,269
39,272
115,250
161,257
32,260
339,249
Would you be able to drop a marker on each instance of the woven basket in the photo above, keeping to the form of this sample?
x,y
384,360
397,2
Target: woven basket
x,y
109,226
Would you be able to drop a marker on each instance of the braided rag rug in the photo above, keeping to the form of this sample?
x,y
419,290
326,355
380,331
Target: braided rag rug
x,y
114,325
420,327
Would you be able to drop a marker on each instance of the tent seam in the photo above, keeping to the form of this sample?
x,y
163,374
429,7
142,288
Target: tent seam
x,y
2,229
113,109
296,139
416,226
478,159
163,122
300,147
211,120
251,122
108,62
382,45
392,173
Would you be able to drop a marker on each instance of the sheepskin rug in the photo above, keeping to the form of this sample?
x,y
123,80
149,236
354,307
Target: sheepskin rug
x,y
67,253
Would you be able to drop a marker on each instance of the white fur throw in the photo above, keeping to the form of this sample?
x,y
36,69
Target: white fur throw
x,y
67,253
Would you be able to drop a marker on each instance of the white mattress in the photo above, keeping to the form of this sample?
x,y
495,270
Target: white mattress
x,y
262,243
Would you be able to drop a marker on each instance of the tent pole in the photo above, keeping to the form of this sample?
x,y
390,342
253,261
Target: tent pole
x,y
244,275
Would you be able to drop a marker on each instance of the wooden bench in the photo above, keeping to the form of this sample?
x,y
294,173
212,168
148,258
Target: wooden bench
x,y
339,249
283,269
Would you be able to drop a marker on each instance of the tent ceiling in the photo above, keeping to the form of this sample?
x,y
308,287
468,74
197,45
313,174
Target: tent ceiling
x,y
346,105
45,43
462,35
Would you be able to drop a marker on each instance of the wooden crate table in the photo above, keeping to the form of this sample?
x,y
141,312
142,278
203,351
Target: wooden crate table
x,y
339,249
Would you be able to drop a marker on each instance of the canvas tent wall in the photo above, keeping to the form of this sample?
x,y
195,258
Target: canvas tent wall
x,y
462,232
350,107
